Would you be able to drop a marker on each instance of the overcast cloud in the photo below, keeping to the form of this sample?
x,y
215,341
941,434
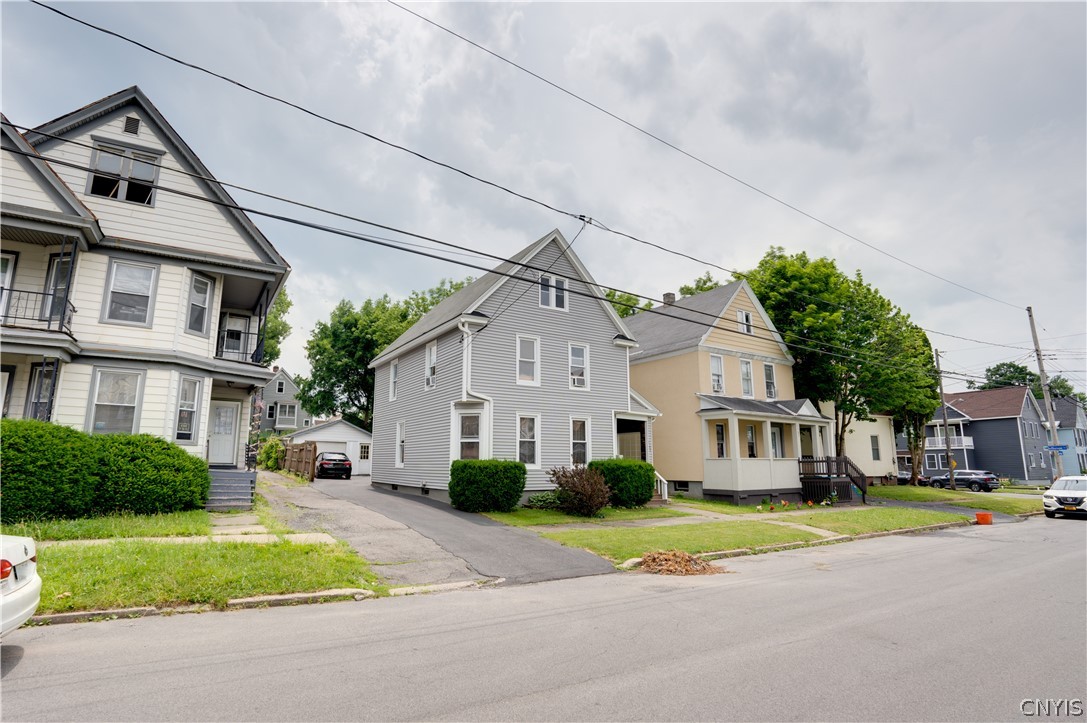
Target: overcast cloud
x,y
953,136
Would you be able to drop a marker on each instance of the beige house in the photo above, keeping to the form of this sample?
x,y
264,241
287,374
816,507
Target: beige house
x,y
718,371
870,444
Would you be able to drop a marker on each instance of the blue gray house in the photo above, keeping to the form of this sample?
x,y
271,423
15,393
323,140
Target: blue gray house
x,y
1072,432
530,367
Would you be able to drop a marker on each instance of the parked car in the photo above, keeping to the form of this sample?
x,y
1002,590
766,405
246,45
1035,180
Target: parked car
x,y
904,478
1067,496
20,585
976,479
333,464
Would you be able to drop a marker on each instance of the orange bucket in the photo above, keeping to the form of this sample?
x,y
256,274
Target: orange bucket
x,y
984,518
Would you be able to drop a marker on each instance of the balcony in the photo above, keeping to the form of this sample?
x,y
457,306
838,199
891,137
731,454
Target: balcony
x,y
36,310
939,443
240,346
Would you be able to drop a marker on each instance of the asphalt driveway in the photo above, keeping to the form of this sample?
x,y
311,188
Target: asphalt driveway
x,y
489,548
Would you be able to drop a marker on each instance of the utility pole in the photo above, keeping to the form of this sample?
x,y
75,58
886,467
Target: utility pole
x,y
947,436
1058,463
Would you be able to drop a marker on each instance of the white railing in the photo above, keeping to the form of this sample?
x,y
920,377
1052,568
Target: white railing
x,y
956,443
662,485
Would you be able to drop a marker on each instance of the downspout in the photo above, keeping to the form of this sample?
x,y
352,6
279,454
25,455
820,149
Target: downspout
x,y
466,387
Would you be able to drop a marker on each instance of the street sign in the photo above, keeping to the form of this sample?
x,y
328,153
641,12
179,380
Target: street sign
x,y
1056,447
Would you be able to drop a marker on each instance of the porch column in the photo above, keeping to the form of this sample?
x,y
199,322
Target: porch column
x,y
734,439
767,447
796,439
817,440
706,424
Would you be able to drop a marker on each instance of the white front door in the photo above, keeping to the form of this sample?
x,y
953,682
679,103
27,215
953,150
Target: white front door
x,y
223,437
236,338
7,270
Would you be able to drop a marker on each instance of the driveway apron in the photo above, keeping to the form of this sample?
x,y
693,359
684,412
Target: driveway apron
x,y
487,547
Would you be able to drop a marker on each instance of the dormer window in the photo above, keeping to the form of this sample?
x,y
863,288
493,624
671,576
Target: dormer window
x,y
123,174
552,292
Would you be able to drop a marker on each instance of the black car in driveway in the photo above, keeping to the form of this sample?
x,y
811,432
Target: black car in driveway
x,y
333,464
904,478
975,479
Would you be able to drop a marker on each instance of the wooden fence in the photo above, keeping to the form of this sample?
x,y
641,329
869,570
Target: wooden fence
x,y
300,459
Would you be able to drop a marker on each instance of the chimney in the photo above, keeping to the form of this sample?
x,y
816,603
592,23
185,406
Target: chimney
x,y
275,369
669,298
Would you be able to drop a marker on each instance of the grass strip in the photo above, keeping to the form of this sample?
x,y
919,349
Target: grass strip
x,y
522,517
131,574
1006,505
883,519
1024,490
725,508
907,493
619,544
173,524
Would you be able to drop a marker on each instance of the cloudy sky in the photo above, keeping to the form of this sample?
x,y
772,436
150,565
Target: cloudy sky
x,y
951,136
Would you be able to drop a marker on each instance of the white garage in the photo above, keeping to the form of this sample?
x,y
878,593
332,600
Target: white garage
x,y
341,436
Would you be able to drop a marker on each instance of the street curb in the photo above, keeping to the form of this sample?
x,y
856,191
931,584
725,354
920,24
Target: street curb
x,y
85,616
635,562
298,598
440,587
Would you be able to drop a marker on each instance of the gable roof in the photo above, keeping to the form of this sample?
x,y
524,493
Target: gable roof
x,y
42,137
783,407
286,376
449,311
686,323
317,428
1066,411
989,403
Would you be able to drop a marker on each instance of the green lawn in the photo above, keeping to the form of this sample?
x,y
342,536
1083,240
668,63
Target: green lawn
x,y
880,519
522,517
1007,505
1023,490
918,494
174,524
132,573
958,498
623,543
724,508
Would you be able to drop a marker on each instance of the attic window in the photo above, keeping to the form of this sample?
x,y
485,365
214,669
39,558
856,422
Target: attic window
x,y
124,175
552,292
132,125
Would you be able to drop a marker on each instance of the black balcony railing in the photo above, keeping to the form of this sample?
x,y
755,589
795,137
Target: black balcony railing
x,y
242,346
36,310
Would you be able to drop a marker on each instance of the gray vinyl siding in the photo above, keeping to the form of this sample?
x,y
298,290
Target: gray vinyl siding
x,y
997,448
425,413
271,396
515,310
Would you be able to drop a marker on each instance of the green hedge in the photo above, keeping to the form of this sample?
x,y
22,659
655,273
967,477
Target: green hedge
x,y
486,485
631,481
55,472
271,453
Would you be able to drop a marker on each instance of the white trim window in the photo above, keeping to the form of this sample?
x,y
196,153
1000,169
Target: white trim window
x,y
719,433
747,385
936,461
528,360
579,366
364,452
401,444
123,175
752,446
280,386
717,374
394,374
431,369
579,441
306,422
288,416
552,292
771,381
1030,456
875,447
188,410
743,322
271,412
199,301
528,439
129,292
115,401
470,425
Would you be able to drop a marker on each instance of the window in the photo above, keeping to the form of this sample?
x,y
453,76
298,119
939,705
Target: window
x,y
528,447
579,441
129,291
1030,456
364,451
401,444
528,360
199,299
288,415
116,393
280,386
720,433
188,398
271,411
552,292
717,374
123,174
431,371
743,322
579,366
771,383
875,447
936,461
40,391
394,373
776,450
56,286
746,383
469,436
306,422
1041,459
752,448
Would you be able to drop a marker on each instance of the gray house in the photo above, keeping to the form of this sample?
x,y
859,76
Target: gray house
x,y
522,367
1072,432
282,413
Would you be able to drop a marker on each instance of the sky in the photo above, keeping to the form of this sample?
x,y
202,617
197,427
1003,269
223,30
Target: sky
x,y
951,136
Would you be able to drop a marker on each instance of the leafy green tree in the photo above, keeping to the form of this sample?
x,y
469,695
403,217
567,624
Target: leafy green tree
x,y
915,395
626,304
340,350
1058,387
705,282
276,328
1009,374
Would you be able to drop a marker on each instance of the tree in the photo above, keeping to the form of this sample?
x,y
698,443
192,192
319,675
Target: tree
x,y
626,304
705,282
276,328
1010,374
916,393
340,350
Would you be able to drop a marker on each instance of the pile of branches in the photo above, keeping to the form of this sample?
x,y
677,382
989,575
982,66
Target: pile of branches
x,y
677,562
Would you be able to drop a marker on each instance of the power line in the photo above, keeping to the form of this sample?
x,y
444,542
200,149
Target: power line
x,y
697,159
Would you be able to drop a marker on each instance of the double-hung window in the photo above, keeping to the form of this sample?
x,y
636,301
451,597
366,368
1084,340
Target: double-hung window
x,y
579,441
717,374
288,416
719,432
271,411
280,386
743,322
129,292
188,398
528,445
771,382
746,383
528,360
875,447
469,436
431,372
752,447
123,174
552,292
115,401
394,373
579,366
199,301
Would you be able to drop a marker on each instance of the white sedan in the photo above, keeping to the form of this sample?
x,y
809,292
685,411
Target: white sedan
x,y
1067,496
20,585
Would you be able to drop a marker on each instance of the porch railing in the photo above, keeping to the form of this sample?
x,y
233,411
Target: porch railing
x,y
956,442
662,485
36,310
242,346
821,476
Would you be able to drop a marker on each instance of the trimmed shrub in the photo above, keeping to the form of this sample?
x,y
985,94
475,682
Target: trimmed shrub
x,y
271,453
144,474
543,501
486,485
631,481
49,471
581,491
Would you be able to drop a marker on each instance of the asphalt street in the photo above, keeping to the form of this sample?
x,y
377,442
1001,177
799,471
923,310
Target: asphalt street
x,y
961,624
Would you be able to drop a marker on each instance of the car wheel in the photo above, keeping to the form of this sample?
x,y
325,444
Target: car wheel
x,y
1050,515
975,487
937,485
